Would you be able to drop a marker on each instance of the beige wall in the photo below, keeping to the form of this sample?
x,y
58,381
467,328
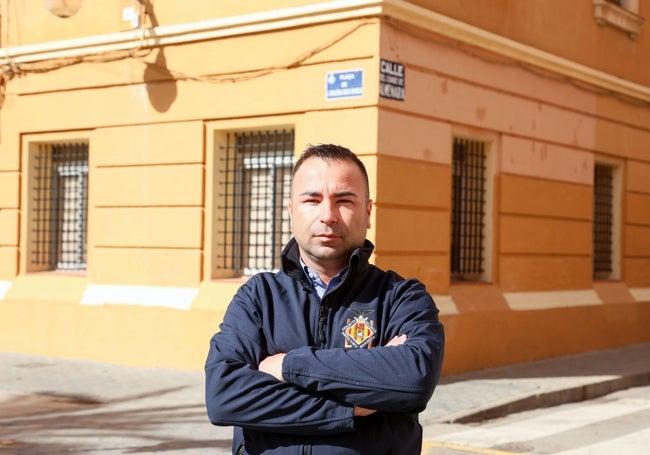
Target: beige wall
x,y
155,120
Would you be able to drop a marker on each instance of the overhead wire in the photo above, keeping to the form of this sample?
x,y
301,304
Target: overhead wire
x,y
140,52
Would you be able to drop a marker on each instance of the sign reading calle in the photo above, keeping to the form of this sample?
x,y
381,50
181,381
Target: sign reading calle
x,y
391,80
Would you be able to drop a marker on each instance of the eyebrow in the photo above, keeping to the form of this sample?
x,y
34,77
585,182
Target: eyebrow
x,y
339,194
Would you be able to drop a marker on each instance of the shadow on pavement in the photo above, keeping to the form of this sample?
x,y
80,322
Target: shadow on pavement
x,y
37,423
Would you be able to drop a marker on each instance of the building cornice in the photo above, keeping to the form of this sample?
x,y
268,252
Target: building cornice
x,y
320,13
499,45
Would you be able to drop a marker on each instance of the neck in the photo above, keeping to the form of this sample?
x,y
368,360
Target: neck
x,y
325,273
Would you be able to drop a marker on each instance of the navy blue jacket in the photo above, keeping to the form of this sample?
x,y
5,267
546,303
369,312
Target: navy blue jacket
x,y
336,358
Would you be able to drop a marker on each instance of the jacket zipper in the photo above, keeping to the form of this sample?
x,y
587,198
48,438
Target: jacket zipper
x,y
322,312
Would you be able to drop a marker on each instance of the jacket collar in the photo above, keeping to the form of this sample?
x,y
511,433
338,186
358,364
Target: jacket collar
x,y
290,259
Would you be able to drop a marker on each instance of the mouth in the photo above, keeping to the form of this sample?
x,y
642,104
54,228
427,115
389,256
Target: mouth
x,y
326,236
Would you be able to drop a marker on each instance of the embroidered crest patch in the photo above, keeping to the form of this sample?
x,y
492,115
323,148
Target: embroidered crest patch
x,y
359,332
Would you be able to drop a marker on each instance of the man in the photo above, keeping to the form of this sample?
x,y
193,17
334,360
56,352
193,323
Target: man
x,y
330,355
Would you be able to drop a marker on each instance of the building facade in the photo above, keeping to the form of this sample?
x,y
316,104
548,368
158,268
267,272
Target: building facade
x,y
146,149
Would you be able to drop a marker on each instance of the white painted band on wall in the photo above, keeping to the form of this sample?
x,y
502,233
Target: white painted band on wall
x,y
640,294
151,296
4,287
445,304
526,301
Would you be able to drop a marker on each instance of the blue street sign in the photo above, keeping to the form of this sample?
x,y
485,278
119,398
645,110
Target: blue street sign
x,y
343,84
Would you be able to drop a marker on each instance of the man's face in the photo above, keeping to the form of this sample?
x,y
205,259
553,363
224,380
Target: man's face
x,y
330,212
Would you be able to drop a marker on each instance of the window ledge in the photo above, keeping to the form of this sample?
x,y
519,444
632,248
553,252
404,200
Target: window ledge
x,y
607,13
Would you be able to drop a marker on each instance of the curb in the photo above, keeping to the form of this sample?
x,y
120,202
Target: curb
x,y
547,399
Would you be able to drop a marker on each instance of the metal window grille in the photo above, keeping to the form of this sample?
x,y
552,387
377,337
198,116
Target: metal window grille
x,y
468,209
254,184
60,205
603,220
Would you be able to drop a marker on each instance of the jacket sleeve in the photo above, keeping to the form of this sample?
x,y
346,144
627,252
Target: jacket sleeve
x,y
386,378
238,394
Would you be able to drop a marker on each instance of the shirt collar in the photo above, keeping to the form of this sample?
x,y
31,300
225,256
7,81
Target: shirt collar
x,y
316,282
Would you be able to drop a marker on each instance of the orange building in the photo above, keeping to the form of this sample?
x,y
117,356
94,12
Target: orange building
x,y
146,148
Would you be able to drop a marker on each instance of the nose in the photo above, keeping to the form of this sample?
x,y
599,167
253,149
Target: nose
x,y
327,213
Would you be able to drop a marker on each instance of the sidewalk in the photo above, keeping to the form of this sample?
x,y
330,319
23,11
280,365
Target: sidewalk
x,y
500,391
55,406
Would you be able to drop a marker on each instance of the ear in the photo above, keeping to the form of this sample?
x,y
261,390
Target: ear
x,y
369,211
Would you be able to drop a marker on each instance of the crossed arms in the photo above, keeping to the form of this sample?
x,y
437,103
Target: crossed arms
x,y
256,379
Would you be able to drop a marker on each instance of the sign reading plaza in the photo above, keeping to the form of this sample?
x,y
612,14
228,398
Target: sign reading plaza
x,y
343,84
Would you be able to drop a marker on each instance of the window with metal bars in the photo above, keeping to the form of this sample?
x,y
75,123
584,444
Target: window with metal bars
x,y
468,213
59,207
254,181
603,223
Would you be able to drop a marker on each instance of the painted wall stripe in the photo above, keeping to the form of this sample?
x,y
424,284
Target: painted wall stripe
x,y
522,301
4,287
152,296
640,294
445,304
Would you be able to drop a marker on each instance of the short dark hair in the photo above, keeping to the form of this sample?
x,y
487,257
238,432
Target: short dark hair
x,y
334,152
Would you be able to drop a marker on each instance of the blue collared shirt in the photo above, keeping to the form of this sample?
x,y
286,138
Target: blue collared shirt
x,y
316,283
